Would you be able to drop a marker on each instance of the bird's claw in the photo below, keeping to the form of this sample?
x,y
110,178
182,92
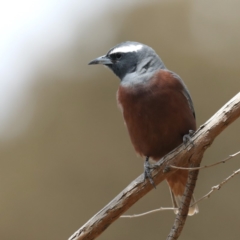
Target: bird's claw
x,y
187,138
147,172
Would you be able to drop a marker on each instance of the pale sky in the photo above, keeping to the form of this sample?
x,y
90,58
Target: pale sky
x,y
24,29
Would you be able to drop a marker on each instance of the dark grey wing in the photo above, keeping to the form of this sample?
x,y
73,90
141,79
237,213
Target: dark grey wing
x,y
190,103
186,93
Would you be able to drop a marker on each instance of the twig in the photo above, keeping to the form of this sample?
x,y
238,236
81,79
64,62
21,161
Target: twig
x,y
149,212
202,139
217,187
208,166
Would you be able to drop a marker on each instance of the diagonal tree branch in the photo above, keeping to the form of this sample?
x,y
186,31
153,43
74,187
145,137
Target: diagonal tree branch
x,y
181,156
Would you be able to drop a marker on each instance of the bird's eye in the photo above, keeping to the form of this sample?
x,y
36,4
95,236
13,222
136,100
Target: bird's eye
x,y
116,56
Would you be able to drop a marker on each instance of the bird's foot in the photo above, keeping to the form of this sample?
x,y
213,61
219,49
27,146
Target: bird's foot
x,y
147,172
187,138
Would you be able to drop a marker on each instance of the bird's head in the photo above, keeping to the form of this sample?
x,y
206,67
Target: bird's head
x,y
132,62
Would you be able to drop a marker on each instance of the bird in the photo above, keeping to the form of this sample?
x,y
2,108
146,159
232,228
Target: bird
x,y
156,106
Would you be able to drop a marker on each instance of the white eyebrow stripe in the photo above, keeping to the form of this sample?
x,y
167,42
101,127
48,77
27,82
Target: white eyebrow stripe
x,y
126,49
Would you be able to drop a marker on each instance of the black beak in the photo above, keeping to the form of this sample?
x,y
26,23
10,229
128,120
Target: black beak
x,y
101,60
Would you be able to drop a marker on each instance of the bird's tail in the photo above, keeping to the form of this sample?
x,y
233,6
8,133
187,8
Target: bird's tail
x,y
177,199
177,183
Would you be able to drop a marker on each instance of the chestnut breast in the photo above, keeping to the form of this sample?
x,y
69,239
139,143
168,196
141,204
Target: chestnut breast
x,y
157,114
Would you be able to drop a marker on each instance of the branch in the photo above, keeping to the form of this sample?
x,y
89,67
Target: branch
x,y
181,156
181,217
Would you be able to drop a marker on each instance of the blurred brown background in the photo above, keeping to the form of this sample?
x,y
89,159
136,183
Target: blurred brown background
x,y
65,152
